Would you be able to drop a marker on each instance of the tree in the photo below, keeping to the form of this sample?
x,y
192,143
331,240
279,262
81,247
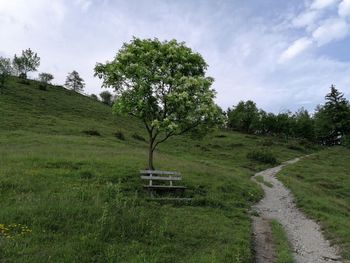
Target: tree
x,y
106,97
164,85
244,117
28,62
303,126
45,78
74,82
333,118
5,71
94,97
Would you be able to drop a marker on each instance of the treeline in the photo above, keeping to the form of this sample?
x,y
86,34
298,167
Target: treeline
x,y
328,125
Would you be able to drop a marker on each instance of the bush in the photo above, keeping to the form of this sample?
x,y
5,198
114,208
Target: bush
x,y
308,144
295,147
345,141
119,135
86,175
23,81
263,156
92,133
138,137
268,142
220,136
42,86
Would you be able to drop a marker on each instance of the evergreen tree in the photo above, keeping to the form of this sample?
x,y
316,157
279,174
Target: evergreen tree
x,y
333,119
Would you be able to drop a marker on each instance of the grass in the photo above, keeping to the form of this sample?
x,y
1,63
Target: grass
x,y
321,185
282,246
67,178
261,180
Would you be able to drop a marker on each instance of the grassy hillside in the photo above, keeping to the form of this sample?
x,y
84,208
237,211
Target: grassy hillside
x,y
321,184
67,196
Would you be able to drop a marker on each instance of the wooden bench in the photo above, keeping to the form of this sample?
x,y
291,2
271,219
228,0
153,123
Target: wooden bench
x,y
154,176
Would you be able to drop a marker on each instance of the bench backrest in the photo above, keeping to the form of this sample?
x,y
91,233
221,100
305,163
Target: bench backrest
x,y
149,175
159,172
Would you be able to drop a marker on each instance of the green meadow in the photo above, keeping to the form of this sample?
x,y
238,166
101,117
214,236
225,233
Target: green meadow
x,y
321,185
70,189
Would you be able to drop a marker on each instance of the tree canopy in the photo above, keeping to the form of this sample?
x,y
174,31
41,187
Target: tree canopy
x,y
333,118
5,71
45,77
163,84
74,82
106,97
29,61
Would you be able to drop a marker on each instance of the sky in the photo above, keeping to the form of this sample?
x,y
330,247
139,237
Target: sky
x,y
283,55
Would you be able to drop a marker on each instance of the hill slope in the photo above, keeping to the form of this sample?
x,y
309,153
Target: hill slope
x,y
67,196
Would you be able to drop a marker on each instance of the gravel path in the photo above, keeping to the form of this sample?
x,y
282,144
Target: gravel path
x,y
305,235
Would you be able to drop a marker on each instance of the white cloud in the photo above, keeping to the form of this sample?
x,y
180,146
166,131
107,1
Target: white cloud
x,y
306,19
295,49
84,4
321,4
344,8
331,30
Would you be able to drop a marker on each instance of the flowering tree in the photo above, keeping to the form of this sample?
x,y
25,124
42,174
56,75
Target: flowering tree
x,y
164,85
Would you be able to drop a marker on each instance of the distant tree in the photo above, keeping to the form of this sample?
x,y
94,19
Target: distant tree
x,y
5,71
333,119
268,122
45,78
303,126
244,117
164,85
93,96
74,82
283,124
28,62
106,97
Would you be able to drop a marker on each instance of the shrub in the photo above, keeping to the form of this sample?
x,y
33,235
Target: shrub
x,y
263,156
308,144
295,147
94,97
42,86
268,142
220,136
92,133
23,81
119,135
138,137
86,175
346,141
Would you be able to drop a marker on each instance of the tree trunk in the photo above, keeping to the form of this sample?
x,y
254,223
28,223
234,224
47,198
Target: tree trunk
x,y
150,156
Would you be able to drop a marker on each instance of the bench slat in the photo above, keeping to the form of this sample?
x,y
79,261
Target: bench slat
x,y
161,178
159,172
164,187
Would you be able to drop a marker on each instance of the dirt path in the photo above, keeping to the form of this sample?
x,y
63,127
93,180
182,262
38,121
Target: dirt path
x,y
305,235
